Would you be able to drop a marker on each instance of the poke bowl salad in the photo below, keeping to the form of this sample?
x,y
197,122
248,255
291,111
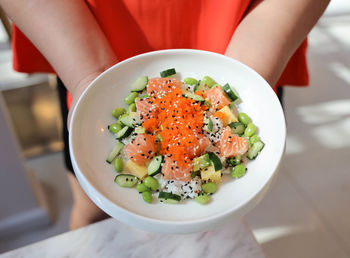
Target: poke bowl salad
x,y
177,139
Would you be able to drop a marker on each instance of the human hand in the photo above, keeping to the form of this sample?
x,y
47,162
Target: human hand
x,y
78,91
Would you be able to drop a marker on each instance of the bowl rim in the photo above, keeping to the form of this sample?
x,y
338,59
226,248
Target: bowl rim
x,y
98,198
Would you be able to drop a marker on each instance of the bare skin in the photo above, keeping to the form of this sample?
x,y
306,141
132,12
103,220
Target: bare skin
x,y
73,43
84,211
271,32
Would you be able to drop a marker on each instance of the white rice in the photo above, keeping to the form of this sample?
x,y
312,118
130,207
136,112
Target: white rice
x,y
185,189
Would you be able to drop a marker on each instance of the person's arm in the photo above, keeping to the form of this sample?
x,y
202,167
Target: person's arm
x,y
271,32
67,34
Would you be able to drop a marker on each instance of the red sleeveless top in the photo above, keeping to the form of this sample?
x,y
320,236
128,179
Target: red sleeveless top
x,y
138,26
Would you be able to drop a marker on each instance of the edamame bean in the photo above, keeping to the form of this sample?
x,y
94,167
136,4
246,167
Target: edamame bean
x,y
117,112
208,81
118,164
253,139
210,187
131,98
147,197
131,108
250,130
142,188
244,118
238,171
202,198
190,81
137,99
114,128
151,183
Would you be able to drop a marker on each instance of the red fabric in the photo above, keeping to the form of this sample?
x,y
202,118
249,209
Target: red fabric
x,y
134,27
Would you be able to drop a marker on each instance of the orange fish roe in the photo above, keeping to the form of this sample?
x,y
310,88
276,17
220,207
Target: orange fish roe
x,y
178,120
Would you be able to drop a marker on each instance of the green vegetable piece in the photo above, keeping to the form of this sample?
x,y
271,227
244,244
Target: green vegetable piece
x,y
169,198
202,198
151,183
117,148
126,180
142,188
201,162
208,81
210,187
238,171
237,128
216,161
254,138
159,137
114,128
145,96
168,72
140,130
140,83
131,108
118,164
137,99
131,98
194,174
147,197
190,81
244,118
155,166
117,112
250,130
234,161
255,149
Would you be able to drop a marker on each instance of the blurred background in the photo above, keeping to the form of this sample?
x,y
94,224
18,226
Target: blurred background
x,y
306,213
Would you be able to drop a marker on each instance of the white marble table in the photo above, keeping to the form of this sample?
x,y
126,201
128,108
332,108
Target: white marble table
x,y
111,238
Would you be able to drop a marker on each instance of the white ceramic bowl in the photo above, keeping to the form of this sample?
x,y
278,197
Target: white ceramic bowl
x,y
90,142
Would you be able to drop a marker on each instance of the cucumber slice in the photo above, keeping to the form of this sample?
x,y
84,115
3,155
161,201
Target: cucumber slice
x,y
237,128
190,81
208,124
117,148
254,150
131,119
126,180
201,86
230,92
123,133
154,166
207,80
195,97
140,83
196,87
140,130
234,161
216,161
168,72
201,162
169,198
